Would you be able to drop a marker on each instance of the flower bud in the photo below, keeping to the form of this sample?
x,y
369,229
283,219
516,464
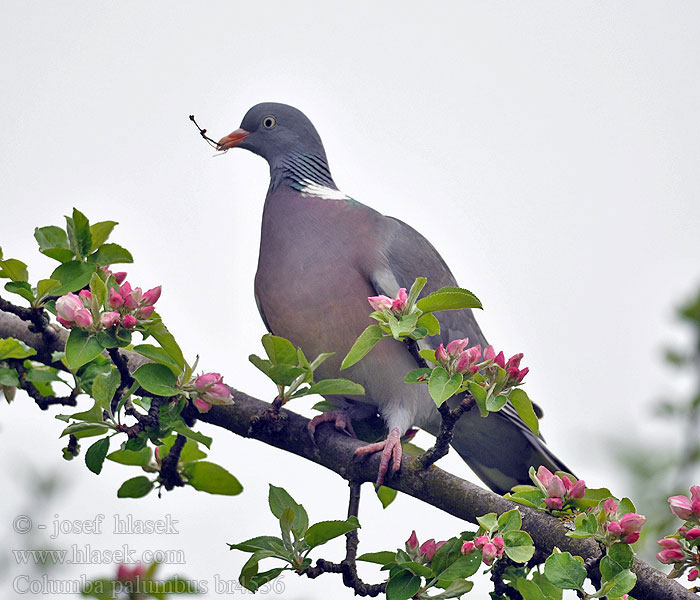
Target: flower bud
x,y
544,475
440,353
489,353
67,306
632,522
669,556
83,318
692,534
489,552
610,506
481,540
119,277
553,503
693,574
201,405
514,361
380,302
556,488
578,489
455,347
412,542
681,506
115,299
428,549
500,360
129,321
109,318
468,547
631,538
614,528
152,295
146,312
669,543
85,296
400,301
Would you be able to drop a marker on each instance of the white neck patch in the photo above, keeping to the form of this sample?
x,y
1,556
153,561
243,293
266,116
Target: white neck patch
x,y
311,188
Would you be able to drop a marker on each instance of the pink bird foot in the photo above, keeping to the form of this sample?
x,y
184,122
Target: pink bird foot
x,y
341,421
391,454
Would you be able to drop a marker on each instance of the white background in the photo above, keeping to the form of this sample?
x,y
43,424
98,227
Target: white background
x,y
550,151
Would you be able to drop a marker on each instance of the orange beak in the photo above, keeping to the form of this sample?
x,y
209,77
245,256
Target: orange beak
x,y
232,139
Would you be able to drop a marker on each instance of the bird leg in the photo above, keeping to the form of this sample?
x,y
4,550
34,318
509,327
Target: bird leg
x,y
340,418
391,454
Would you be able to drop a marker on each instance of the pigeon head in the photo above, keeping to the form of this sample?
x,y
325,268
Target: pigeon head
x,y
275,131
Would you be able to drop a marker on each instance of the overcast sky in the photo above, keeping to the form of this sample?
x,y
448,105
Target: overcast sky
x,y
549,151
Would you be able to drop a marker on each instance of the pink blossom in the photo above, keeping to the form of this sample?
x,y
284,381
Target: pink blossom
x,y
468,547
127,573
681,506
670,555
400,301
481,540
692,534
556,488
455,347
146,312
212,389
670,544
115,299
152,295
578,490
201,405
489,353
412,542
544,475
67,306
500,545
500,360
83,318
610,506
489,552
614,528
129,321
553,503
85,296
632,522
631,538
119,277
428,549
380,302
110,318
693,575
514,361
440,353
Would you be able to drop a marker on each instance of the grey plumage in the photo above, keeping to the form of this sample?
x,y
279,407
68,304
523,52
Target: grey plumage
x,y
322,254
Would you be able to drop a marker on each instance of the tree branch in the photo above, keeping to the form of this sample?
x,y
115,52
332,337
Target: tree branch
x,y
434,486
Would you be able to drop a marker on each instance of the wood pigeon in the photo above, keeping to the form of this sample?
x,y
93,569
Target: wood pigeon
x,y
322,254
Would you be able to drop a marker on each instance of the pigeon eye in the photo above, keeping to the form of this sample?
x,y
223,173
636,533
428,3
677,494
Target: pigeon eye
x,y
269,122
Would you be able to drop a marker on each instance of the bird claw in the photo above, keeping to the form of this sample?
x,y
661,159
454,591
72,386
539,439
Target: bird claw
x,y
391,454
341,421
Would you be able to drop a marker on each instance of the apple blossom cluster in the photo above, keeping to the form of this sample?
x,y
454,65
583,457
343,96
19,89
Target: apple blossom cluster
x,y
211,390
682,549
559,490
384,303
621,528
491,548
423,553
124,306
457,358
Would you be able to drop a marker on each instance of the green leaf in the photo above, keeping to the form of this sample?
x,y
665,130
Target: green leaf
x,y
363,344
448,298
21,288
415,290
212,478
157,379
110,254
386,495
53,242
529,590
479,394
565,571
445,555
379,558
81,430
620,585
495,403
73,276
79,237
284,375
279,350
418,375
260,363
456,589
15,269
96,454
196,436
105,386
45,286
158,355
443,386
8,377
430,323
523,406
488,521
402,586
622,554
320,533
100,232
250,569
428,355
626,506
519,546
136,487
263,542
139,458
280,500
12,348
465,566
336,387
509,521
189,452
81,348
167,341
98,289
551,591
319,360
260,579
